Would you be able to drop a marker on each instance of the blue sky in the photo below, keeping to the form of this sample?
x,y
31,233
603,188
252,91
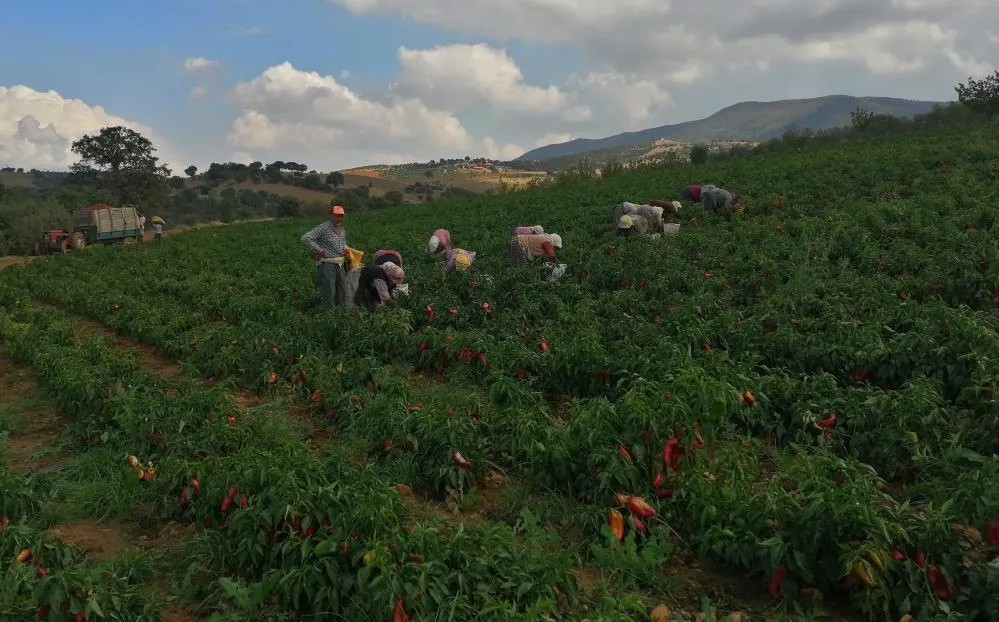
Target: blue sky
x,y
480,78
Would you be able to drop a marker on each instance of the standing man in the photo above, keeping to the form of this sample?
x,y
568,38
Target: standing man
x,y
157,229
328,242
142,227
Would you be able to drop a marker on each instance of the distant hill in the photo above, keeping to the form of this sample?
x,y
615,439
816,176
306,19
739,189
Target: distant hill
x,y
747,121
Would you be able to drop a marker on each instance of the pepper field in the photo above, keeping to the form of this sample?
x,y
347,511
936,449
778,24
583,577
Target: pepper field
x,y
791,412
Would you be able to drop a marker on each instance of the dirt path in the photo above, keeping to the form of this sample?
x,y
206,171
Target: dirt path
x,y
34,427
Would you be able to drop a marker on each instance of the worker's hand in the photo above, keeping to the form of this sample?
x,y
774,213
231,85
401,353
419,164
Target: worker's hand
x,y
319,255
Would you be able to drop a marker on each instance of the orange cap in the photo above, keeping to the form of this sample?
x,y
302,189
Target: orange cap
x,y
337,209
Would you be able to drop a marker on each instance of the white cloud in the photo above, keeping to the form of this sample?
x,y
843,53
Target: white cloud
x,y
199,64
198,92
288,111
689,43
461,75
552,138
494,151
38,128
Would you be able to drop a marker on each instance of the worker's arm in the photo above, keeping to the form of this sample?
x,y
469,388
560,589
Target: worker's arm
x,y
310,238
383,291
449,266
549,250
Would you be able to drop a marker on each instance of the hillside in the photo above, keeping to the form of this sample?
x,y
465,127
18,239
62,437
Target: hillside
x,y
789,411
746,121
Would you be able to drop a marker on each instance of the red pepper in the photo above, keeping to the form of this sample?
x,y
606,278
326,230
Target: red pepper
x,y
184,500
233,492
430,313
672,451
639,526
639,506
898,555
243,501
625,453
662,493
938,583
399,613
992,533
460,460
709,275
482,358
920,559
226,505
829,421
616,523
658,481
780,573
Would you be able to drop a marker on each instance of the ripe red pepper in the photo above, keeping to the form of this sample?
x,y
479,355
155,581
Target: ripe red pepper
x,y
430,313
938,583
226,505
672,451
452,311
709,275
616,523
639,526
662,493
657,482
243,501
920,559
992,533
625,453
829,422
639,506
399,613
780,573
543,344
41,571
184,499
898,555
233,492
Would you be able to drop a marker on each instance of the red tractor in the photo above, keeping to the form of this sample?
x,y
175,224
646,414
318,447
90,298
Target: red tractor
x,y
54,241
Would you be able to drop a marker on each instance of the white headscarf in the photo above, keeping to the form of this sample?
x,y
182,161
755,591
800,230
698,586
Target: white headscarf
x,y
433,244
677,205
538,229
556,240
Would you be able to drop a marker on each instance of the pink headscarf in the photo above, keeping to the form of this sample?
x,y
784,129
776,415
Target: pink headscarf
x,y
394,272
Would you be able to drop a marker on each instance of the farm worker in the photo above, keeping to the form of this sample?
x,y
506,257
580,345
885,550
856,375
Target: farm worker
x,y
670,208
529,230
524,248
142,225
718,199
625,226
458,259
623,209
694,192
386,255
440,241
376,284
328,242
157,229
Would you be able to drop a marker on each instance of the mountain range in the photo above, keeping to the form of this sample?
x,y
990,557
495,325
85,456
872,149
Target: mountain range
x,y
747,121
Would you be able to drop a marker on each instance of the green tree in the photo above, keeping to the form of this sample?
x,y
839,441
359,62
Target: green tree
x,y
191,171
122,163
335,179
698,154
393,197
981,96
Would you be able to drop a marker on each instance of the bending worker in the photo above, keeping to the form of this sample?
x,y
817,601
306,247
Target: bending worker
x,y
524,248
387,255
376,284
328,242
440,241
458,259
529,230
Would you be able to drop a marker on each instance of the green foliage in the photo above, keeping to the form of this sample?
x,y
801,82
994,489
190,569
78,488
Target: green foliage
x,y
698,154
120,162
981,96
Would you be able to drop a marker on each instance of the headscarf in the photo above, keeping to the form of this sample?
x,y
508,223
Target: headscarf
x,y
433,244
463,259
556,240
677,205
538,229
625,223
394,272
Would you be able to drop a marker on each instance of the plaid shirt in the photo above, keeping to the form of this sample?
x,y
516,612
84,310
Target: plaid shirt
x,y
325,237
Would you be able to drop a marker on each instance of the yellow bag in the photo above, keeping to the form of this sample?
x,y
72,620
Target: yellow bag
x,y
354,258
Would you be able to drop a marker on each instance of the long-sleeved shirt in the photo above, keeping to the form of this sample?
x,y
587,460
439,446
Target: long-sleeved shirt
x,y
716,198
327,238
382,288
538,245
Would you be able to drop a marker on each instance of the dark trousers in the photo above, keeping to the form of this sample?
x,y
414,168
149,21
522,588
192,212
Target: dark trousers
x,y
330,278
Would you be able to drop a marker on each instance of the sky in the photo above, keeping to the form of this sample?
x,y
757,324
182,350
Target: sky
x,y
337,84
